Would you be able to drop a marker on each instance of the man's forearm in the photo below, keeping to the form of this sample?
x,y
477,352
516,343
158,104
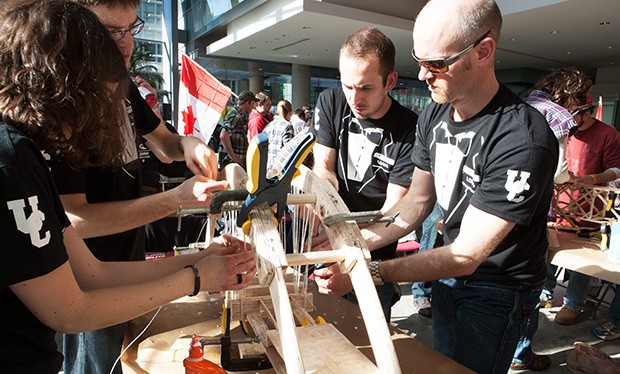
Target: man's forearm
x,y
411,210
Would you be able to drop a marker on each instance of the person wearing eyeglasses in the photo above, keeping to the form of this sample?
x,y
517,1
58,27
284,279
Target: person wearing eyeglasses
x,y
487,158
364,142
105,204
67,95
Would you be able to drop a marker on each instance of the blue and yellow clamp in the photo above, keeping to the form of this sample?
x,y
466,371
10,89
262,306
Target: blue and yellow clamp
x,y
271,190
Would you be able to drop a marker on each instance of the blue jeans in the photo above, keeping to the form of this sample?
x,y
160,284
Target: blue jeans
x,y
422,290
387,297
577,290
550,283
478,324
523,352
614,310
94,352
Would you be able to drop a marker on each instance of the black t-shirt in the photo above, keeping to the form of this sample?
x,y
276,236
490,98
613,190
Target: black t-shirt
x,y
501,161
371,152
103,184
152,167
31,220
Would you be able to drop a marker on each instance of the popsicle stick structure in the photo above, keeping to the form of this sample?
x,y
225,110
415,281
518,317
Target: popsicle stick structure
x,y
586,202
277,309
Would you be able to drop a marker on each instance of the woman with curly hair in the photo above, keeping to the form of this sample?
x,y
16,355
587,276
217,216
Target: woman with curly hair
x,y
62,82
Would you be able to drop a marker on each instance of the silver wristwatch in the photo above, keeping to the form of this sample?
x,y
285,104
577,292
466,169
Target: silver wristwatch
x,y
374,272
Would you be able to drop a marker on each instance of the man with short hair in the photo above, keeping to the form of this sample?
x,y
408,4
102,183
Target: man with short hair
x,y
105,204
234,133
260,115
365,138
487,158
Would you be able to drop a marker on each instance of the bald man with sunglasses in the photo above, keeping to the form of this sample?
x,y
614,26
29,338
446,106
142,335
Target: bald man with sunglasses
x,y
487,159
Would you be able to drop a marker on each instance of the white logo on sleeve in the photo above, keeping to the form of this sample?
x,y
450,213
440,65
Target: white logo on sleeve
x,y
31,225
516,187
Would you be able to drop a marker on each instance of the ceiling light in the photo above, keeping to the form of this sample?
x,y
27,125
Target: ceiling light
x,y
604,23
555,32
513,39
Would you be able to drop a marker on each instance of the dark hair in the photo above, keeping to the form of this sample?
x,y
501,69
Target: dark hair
x,y
567,87
262,97
299,112
62,80
371,41
110,3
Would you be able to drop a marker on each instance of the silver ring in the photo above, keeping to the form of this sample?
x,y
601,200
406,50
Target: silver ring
x,y
239,279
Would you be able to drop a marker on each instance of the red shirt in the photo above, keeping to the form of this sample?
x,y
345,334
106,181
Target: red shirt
x,y
257,123
593,150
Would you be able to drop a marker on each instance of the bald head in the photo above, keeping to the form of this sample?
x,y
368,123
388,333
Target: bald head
x,y
456,22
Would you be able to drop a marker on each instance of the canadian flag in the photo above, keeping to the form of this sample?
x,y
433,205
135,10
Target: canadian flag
x,y
202,99
599,109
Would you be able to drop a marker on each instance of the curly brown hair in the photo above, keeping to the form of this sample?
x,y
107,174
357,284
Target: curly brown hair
x,y
62,80
567,87
110,3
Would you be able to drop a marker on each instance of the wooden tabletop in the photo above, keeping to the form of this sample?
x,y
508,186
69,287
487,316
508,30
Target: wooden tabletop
x,y
582,255
158,349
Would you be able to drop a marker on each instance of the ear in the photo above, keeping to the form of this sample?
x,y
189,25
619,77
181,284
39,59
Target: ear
x,y
391,81
486,51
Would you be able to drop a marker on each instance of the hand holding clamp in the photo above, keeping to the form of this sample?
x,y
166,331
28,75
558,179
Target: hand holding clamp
x,y
275,189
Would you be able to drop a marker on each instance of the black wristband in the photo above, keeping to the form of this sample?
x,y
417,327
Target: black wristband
x,y
196,279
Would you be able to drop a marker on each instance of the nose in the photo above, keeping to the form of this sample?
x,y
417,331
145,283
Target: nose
x,y
356,96
424,74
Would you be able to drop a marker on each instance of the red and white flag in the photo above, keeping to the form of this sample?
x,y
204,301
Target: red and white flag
x,y
202,99
599,109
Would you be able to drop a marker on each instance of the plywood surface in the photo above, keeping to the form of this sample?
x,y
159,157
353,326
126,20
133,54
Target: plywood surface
x,y
179,318
584,256
325,350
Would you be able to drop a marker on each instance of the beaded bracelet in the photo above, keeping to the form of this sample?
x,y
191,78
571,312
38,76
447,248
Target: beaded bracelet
x,y
196,279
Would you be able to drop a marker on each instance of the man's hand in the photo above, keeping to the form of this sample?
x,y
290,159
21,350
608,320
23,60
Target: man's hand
x,y
197,191
332,282
200,159
320,242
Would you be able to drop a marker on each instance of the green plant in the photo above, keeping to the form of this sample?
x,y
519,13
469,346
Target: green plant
x,y
139,65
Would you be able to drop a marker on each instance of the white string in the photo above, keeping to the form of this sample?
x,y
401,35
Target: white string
x,y
134,340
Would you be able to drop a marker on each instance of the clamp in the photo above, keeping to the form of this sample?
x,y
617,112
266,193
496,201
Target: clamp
x,y
366,217
275,189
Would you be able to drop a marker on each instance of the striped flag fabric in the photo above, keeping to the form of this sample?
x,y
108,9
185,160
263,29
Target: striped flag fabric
x,y
202,99
599,109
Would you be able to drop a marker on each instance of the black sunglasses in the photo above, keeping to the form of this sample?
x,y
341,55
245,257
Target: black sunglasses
x,y
437,66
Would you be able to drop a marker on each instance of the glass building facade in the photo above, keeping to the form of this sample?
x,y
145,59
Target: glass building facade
x,y
204,17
